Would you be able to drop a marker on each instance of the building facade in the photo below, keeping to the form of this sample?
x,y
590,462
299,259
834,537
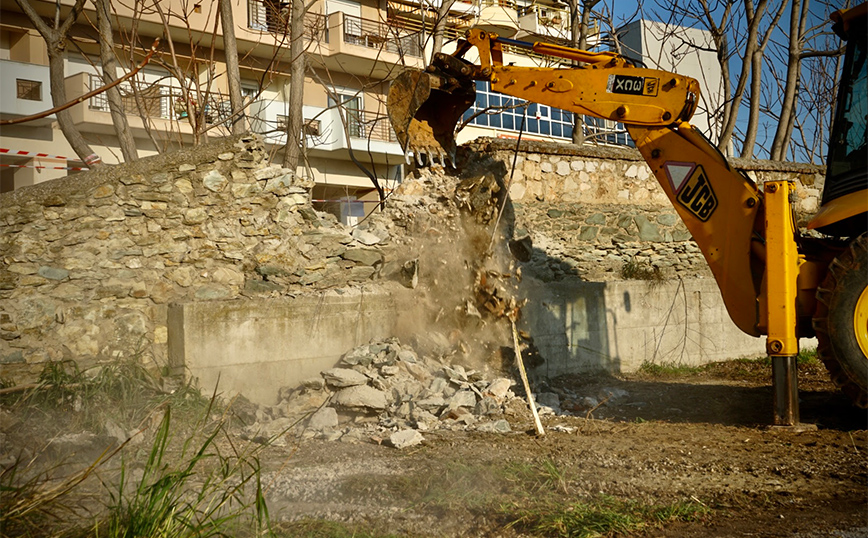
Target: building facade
x,y
180,98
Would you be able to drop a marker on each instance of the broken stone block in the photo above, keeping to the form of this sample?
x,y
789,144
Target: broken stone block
x,y
364,237
612,394
549,399
455,373
407,355
463,398
325,419
498,388
498,426
405,438
360,397
343,377
364,256
487,406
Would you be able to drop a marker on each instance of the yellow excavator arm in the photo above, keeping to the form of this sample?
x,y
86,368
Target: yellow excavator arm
x,y
721,207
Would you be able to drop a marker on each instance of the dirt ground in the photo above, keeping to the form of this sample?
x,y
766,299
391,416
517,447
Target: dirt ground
x,y
697,439
701,437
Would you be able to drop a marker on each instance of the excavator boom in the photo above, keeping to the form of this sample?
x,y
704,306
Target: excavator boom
x,y
748,236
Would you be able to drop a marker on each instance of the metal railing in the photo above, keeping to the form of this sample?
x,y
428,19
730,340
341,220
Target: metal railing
x,y
164,101
273,16
380,35
367,125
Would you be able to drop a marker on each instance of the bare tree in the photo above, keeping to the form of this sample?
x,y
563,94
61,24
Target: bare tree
x,y
298,59
109,62
580,22
440,26
55,39
233,73
756,67
796,40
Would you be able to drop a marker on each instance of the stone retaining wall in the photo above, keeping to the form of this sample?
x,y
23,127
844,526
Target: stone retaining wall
x,y
89,263
595,209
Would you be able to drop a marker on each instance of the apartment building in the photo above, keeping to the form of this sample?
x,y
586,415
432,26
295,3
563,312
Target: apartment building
x,y
353,49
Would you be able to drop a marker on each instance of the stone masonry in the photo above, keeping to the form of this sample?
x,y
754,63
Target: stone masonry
x,y
594,209
91,261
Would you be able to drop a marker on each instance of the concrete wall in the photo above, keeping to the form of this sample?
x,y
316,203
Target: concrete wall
x,y
618,326
255,347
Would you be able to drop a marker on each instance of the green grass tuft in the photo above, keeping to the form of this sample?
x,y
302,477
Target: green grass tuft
x,y
310,528
669,369
600,516
636,270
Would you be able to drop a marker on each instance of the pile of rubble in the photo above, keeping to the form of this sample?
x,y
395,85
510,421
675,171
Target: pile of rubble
x,y
387,393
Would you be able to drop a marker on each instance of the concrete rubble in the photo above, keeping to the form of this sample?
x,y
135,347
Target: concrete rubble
x,y
385,392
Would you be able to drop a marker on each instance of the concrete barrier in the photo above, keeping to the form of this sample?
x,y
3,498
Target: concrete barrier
x,y
256,346
617,326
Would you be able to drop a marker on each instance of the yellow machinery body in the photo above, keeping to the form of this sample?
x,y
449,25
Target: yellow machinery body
x,y
748,235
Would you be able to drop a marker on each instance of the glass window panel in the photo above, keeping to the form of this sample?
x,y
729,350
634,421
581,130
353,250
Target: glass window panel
x,y
544,127
532,125
508,121
494,120
531,109
556,114
556,129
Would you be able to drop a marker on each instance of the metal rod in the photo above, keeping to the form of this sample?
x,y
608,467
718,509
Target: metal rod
x,y
786,390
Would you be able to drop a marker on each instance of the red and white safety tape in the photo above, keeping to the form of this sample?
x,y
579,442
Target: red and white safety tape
x,y
43,167
4,151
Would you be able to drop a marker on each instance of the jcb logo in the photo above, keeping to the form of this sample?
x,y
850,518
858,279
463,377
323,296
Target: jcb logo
x,y
696,195
633,85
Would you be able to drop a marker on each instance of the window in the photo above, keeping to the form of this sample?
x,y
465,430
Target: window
x,y
352,111
30,90
311,128
539,120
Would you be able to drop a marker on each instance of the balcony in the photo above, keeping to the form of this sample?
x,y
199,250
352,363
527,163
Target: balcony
x,y
342,43
155,108
369,132
273,17
24,91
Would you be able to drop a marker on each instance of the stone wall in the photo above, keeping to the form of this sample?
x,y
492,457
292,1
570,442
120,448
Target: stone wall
x,y
592,210
90,263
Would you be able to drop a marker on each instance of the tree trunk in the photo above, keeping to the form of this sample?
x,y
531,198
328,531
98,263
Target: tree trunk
x,y
798,15
440,27
109,74
233,73
292,153
750,136
747,63
579,39
756,65
55,41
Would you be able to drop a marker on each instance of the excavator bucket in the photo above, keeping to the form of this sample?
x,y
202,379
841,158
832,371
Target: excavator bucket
x,y
424,109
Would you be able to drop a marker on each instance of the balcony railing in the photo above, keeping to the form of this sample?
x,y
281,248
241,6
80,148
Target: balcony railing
x,y
272,16
163,101
366,125
379,35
